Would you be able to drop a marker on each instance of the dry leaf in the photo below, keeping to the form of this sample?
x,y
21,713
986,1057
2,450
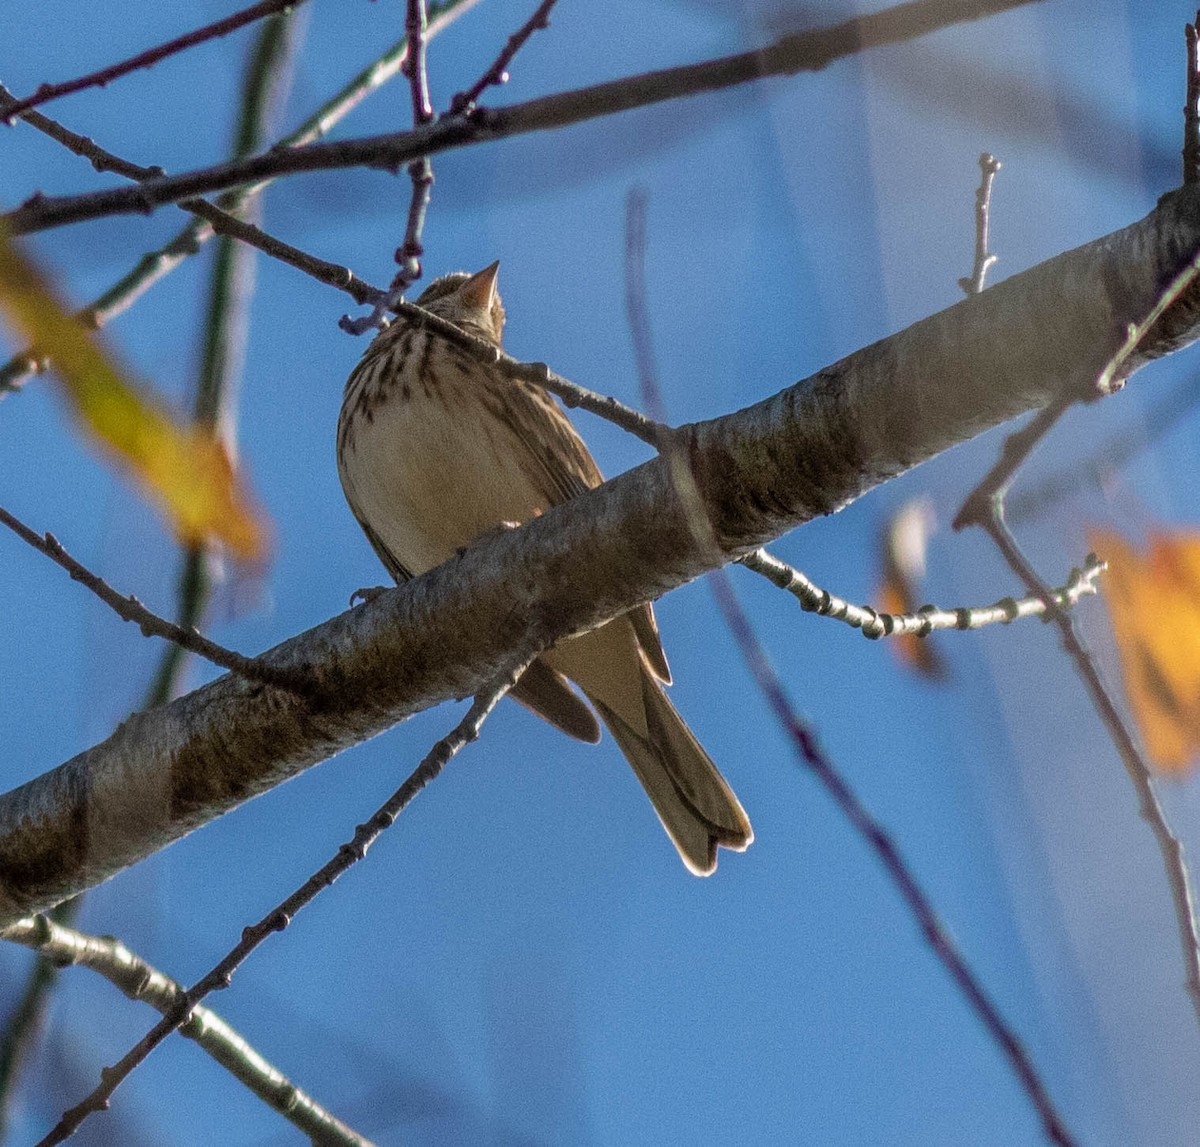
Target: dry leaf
x,y
1154,604
185,468
903,544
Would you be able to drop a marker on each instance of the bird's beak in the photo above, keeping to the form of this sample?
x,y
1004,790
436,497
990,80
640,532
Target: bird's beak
x,y
480,289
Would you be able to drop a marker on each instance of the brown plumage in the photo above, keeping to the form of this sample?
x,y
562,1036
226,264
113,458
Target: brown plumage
x,y
436,448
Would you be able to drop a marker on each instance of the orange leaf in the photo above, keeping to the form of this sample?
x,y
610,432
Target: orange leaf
x,y
1154,604
902,544
185,468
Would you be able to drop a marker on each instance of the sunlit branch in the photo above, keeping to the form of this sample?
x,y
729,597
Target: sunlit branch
x,y
354,850
59,946
929,618
879,840
153,267
788,55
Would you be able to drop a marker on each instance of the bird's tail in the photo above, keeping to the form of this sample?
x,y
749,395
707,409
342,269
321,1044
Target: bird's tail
x,y
695,804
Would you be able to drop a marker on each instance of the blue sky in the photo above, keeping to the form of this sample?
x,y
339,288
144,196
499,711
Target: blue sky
x,y
522,959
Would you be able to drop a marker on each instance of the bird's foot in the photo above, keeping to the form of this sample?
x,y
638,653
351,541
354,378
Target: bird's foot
x,y
488,534
367,594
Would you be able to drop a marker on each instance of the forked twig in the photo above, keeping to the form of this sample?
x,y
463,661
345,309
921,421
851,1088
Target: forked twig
x,y
497,74
157,264
466,731
880,841
984,259
138,980
408,254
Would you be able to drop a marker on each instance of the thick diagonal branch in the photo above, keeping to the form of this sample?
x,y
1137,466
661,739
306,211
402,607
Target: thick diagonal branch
x,y
806,451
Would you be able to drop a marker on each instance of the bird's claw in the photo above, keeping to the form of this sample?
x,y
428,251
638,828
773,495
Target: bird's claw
x,y
365,595
488,534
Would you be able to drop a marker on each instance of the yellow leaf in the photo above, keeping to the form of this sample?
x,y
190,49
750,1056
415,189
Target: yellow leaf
x,y
185,468
1154,603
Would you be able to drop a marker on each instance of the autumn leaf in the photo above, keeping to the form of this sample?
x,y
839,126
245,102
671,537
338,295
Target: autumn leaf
x,y
903,543
184,468
1154,604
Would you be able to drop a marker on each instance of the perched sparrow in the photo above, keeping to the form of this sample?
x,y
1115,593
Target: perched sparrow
x,y
434,449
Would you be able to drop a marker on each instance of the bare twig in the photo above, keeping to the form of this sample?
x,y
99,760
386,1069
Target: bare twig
x,y
60,946
636,310
24,1027
1108,458
1191,107
466,731
979,506
1112,377
47,92
420,172
1174,862
157,264
223,222
754,655
984,259
151,625
879,840
497,74
984,507
800,52
572,395
927,619
408,254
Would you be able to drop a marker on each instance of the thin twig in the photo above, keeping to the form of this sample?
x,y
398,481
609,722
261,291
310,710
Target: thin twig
x,y
466,731
60,946
223,222
979,505
1191,107
888,854
1151,811
497,74
420,173
636,310
1112,377
408,254
799,52
158,264
1107,458
538,373
47,92
984,259
23,1030
927,619
225,330
754,655
151,625
984,507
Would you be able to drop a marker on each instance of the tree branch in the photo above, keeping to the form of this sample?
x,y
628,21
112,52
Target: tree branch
x,y
98,79
788,55
138,980
807,451
157,264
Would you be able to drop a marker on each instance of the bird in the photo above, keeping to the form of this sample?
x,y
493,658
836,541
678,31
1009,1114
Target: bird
x,y
437,448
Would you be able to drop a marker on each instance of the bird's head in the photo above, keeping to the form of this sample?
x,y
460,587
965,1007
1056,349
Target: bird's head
x,y
468,301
